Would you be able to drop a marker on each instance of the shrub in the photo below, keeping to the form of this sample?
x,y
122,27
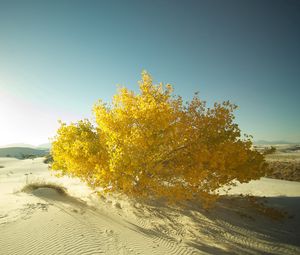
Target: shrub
x,y
270,150
48,159
151,144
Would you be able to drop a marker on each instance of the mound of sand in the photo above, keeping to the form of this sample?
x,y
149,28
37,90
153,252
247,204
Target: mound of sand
x,y
48,193
44,221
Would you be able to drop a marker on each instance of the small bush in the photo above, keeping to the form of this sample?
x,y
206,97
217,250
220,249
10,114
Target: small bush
x,y
270,150
48,159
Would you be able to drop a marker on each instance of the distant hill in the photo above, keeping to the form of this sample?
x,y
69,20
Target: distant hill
x,y
17,145
22,152
264,142
24,145
44,146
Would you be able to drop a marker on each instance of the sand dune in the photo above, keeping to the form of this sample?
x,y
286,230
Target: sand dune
x,y
43,221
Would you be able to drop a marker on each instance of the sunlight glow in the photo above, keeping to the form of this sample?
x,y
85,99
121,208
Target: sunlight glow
x,y
24,122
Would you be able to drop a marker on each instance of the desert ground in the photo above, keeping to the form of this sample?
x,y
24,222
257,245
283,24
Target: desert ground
x,y
285,162
44,221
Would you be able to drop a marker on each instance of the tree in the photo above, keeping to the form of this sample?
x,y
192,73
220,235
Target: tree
x,y
151,144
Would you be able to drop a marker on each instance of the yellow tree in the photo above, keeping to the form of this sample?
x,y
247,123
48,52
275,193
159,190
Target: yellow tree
x,y
151,144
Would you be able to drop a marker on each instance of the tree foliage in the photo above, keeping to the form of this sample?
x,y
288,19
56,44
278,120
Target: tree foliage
x,y
151,144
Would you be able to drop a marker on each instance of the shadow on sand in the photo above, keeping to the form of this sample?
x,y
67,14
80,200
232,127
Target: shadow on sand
x,y
233,226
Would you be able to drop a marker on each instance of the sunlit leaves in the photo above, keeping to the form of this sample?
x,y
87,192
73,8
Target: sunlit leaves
x,y
151,144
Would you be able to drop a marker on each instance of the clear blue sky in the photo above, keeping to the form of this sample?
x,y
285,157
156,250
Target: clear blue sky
x,y
58,57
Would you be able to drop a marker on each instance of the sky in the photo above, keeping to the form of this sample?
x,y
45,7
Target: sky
x,y
57,58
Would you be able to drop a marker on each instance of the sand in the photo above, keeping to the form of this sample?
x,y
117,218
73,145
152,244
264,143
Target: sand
x,y
44,221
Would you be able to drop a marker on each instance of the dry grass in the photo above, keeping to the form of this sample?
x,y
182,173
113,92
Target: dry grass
x,y
284,163
37,185
285,170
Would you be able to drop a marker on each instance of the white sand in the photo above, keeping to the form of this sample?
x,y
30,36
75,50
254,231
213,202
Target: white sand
x,y
45,222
